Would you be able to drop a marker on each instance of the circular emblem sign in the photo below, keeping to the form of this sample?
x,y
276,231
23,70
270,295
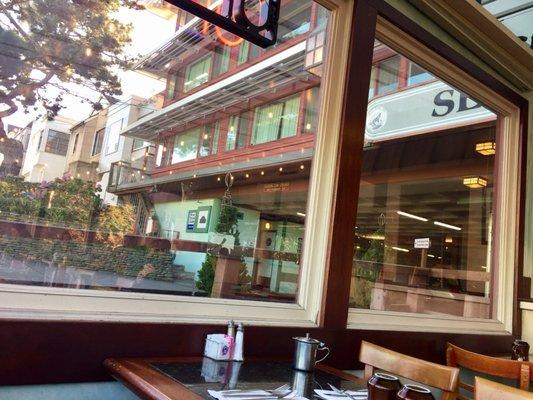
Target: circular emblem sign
x,y
376,119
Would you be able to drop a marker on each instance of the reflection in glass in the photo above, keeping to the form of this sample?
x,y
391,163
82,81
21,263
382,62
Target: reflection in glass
x,y
172,192
424,218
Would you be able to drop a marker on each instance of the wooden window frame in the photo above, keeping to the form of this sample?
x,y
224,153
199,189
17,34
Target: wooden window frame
x,y
510,104
39,303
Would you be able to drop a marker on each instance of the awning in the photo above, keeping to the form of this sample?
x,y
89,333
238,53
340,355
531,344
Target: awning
x,y
177,176
266,76
158,60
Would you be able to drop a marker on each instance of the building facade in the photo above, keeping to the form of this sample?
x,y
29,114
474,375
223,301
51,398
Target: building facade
x,y
46,153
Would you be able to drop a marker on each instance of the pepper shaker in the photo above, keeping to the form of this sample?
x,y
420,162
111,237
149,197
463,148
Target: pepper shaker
x,y
239,342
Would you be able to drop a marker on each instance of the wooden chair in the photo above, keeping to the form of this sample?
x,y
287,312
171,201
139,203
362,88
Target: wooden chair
x,y
519,371
425,372
489,390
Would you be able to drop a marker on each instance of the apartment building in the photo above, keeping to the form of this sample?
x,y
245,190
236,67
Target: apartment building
x,y
85,145
47,147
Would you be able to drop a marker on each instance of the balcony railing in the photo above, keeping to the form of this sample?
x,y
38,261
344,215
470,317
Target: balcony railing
x,y
122,173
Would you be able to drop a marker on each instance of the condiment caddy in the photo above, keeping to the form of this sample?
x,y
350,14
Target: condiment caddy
x,y
226,347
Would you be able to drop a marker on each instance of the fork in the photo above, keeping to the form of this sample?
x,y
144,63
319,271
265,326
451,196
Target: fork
x,y
343,392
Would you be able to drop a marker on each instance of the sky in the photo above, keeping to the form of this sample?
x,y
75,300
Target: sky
x,y
149,31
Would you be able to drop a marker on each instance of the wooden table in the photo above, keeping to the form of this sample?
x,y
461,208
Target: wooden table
x,y
142,376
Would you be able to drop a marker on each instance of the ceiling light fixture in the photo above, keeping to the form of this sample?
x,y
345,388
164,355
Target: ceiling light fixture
x,y
486,148
300,214
455,228
475,182
400,249
412,216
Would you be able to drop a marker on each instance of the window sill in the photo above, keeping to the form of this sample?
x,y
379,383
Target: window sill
x,y
62,304
407,322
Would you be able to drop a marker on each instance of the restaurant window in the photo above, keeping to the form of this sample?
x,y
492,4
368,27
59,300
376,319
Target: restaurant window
x,y
186,146
97,143
57,142
197,73
177,230
424,231
276,121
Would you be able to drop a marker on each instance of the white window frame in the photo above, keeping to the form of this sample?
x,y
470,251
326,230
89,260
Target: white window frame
x,y
507,195
33,302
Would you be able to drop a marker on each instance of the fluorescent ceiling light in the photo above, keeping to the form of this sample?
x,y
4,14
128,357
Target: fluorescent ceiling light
x,y
400,249
300,214
412,216
455,228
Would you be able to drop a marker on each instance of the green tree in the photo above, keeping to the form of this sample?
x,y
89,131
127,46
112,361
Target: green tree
x,y
53,43
71,201
228,224
116,219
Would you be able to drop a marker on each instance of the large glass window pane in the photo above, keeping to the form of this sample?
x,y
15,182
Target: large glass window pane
x,y
57,142
425,209
186,146
197,73
276,121
181,216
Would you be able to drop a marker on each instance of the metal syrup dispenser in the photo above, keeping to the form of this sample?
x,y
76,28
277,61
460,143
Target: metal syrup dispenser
x,y
305,352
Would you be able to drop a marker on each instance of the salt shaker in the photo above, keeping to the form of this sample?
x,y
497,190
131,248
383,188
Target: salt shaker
x,y
239,342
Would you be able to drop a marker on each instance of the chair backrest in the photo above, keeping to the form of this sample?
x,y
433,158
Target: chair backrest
x,y
425,372
519,371
489,390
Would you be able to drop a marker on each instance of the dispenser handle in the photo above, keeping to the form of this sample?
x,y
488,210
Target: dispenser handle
x,y
326,356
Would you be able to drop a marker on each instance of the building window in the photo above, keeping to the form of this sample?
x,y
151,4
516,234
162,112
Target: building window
x,y
140,144
237,131
57,142
222,59
312,103
417,75
186,146
216,138
244,49
75,145
171,86
197,73
113,137
97,143
209,140
388,75
276,121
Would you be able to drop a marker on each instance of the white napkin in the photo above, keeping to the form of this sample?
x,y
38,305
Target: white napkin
x,y
331,395
251,395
